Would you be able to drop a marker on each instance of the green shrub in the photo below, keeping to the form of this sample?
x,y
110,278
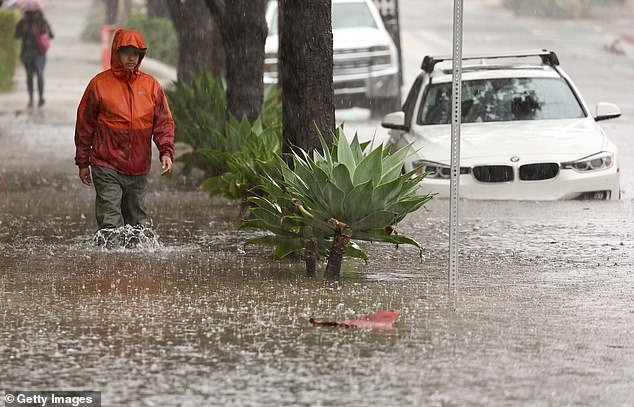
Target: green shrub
x,y
159,33
253,151
353,192
200,112
9,48
232,155
160,38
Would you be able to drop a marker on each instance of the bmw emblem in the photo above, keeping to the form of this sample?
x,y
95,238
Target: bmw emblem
x,y
514,159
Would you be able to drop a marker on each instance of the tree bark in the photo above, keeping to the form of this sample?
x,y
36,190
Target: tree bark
x,y
159,8
199,41
243,27
112,11
310,257
305,64
340,241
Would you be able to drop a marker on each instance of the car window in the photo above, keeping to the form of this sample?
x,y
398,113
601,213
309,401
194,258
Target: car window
x,y
344,15
349,15
503,99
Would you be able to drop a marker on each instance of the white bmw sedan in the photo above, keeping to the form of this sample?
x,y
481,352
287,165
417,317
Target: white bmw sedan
x,y
526,132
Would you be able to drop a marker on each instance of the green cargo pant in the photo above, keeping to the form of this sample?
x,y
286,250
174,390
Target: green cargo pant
x,y
119,198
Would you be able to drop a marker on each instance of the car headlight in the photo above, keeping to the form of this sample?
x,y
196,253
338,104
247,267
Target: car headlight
x,y
436,170
381,56
432,169
600,161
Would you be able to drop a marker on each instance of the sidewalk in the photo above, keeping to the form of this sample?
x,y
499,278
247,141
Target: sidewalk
x,y
42,138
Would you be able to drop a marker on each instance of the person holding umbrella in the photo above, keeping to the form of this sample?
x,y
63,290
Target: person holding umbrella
x,y
35,33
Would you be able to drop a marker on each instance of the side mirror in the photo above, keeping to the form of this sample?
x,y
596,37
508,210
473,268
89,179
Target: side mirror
x,y
395,121
607,111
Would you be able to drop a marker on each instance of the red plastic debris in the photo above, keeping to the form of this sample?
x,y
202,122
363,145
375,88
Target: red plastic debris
x,y
377,320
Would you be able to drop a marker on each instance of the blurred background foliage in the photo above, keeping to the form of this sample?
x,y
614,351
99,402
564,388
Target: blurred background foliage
x,y
226,155
9,47
159,32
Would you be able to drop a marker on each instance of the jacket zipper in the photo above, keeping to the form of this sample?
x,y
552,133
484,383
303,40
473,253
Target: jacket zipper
x,y
131,96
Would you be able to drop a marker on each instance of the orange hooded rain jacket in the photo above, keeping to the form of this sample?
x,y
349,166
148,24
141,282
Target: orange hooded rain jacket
x,y
120,112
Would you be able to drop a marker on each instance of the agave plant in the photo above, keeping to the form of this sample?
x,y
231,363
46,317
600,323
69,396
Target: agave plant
x,y
353,192
277,211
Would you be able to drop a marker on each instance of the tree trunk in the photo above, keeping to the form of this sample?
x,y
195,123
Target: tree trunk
x,y
342,237
198,40
243,27
310,257
159,8
112,11
305,67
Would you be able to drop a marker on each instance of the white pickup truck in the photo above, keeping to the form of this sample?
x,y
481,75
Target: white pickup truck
x,y
366,69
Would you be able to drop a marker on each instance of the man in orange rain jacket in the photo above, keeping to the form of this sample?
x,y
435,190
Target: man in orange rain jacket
x,y
121,111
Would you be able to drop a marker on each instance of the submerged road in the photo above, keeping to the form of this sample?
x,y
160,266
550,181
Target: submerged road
x,y
543,315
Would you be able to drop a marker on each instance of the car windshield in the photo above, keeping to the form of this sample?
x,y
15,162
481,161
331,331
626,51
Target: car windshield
x,y
349,15
344,15
503,99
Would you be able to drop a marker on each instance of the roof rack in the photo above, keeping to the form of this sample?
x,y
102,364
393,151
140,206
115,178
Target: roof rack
x,y
547,57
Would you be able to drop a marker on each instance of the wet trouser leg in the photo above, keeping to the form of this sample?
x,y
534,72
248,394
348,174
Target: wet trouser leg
x,y
132,204
119,198
40,62
109,194
29,67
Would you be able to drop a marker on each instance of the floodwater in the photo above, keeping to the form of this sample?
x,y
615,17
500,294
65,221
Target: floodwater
x,y
543,314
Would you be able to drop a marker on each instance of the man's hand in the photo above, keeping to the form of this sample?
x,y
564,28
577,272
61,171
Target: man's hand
x,y
84,176
166,165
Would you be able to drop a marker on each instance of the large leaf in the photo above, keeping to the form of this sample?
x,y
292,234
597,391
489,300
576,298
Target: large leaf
x,y
370,168
344,154
393,164
380,320
355,252
358,203
379,235
283,245
212,185
410,205
341,178
374,220
333,199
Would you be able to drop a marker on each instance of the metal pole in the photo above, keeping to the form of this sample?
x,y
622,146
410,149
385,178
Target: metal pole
x,y
454,185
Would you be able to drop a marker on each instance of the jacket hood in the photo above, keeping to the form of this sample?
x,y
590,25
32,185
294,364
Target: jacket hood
x,y
123,38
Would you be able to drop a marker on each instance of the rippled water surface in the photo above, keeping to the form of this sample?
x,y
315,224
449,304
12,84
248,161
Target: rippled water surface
x,y
543,314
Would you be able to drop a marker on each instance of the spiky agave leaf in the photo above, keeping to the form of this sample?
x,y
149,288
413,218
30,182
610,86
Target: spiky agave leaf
x,y
282,215
353,186
357,185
